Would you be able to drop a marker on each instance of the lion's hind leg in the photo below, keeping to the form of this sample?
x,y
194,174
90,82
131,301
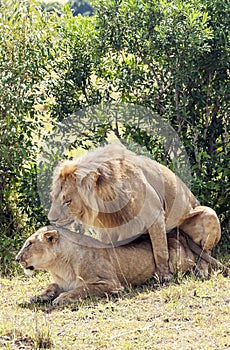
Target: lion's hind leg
x,y
203,227
181,258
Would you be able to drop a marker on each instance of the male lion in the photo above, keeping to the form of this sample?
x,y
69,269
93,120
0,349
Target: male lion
x,y
122,194
82,266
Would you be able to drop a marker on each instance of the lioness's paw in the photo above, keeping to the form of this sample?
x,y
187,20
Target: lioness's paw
x,y
61,301
39,299
63,298
35,299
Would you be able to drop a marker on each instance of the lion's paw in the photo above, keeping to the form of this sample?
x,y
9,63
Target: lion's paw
x,y
163,279
201,273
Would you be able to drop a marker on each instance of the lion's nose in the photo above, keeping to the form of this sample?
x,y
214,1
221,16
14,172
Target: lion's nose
x,y
52,217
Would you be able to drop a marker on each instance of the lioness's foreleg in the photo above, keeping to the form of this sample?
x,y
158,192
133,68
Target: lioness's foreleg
x,y
49,294
86,291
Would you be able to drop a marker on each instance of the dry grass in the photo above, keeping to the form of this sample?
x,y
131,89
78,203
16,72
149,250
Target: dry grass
x,y
189,315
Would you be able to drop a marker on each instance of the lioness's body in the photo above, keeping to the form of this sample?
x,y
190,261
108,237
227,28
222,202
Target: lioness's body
x,y
80,266
122,194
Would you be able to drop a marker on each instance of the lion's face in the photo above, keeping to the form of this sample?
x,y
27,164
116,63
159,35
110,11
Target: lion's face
x,y
38,250
67,204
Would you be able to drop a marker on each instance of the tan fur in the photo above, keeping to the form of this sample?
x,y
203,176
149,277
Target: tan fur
x,y
81,267
121,194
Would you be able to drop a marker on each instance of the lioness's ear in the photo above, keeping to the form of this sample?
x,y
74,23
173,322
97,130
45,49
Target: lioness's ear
x,y
51,236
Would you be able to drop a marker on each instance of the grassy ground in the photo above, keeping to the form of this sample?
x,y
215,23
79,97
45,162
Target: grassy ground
x,y
189,315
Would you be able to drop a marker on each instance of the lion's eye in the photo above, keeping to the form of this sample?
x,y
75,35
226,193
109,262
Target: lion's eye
x,y
68,202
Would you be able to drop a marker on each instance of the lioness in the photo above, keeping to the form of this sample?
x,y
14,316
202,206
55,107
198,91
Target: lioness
x,y
82,266
122,194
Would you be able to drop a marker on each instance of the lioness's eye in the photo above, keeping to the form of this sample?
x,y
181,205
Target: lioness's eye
x,y
28,244
68,202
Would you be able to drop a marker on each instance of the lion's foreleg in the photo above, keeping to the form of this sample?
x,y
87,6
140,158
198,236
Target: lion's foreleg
x,y
49,294
158,238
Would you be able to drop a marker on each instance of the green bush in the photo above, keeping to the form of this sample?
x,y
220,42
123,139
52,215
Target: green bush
x,y
174,58
23,61
170,57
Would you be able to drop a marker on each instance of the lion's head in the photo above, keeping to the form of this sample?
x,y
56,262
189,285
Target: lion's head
x,y
38,250
68,201
101,193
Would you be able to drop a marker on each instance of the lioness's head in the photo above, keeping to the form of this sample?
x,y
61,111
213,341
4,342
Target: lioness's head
x,y
38,250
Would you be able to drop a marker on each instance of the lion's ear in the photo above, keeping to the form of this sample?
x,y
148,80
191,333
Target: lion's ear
x,y
51,236
91,179
68,170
